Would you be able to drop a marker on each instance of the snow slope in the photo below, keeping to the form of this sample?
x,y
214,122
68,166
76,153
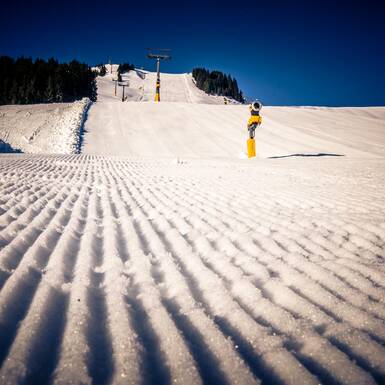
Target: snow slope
x,y
204,271
186,124
176,262
199,130
43,128
174,88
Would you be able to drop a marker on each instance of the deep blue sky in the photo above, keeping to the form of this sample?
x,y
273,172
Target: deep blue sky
x,y
283,52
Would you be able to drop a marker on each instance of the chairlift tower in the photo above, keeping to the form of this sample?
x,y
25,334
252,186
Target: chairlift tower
x,y
158,54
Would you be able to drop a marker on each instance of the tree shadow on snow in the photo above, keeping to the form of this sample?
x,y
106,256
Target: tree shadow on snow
x,y
8,149
304,155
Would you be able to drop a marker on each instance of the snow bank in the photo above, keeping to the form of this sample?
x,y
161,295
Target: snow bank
x,y
43,128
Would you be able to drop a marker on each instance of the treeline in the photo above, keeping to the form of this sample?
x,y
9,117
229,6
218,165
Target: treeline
x,y
125,67
24,81
122,69
102,69
217,83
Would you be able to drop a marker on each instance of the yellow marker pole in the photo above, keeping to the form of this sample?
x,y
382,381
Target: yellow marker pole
x,y
251,148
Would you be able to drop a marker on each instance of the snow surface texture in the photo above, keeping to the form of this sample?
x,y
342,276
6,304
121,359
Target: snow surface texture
x,y
202,126
43,128
203,271
178,263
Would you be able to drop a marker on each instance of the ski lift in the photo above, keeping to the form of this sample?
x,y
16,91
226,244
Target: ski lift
x,y
158,54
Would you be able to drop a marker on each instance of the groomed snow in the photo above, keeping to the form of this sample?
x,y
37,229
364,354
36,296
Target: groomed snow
x,y
180,126
207,271
177,262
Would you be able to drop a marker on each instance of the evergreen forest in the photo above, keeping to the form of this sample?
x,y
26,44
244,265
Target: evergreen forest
x,y
217,83
27,81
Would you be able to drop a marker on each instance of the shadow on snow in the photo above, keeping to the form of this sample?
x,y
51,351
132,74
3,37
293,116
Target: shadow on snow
x,y
7,148
304,155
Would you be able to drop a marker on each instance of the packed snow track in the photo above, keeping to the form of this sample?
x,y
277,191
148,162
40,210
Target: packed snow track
x,y
189,123
124,271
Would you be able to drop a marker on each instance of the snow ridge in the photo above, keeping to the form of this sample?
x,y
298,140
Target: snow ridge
x,y
44,128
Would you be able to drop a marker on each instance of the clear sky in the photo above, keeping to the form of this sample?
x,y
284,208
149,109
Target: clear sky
x,y
283,52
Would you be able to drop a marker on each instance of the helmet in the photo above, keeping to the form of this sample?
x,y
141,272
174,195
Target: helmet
x,y
256,106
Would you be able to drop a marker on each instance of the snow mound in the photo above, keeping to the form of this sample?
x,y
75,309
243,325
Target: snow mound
x,y
43,128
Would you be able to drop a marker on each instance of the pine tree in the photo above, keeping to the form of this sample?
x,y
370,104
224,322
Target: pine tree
x,y
30,92
13,94
50,91
206,86
125,67
102,69
58,93
241,98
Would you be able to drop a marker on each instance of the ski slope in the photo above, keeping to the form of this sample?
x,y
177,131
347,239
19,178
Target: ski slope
x,y
174,88
202,126
161,256
152,271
